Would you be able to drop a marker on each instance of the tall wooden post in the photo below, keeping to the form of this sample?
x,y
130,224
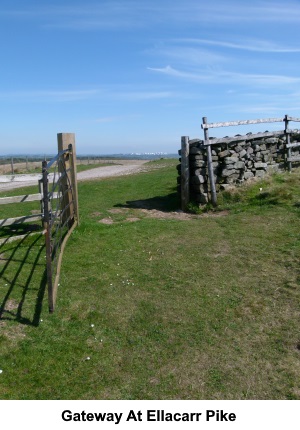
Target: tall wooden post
x,y
209,166
287,137
185,172
67,141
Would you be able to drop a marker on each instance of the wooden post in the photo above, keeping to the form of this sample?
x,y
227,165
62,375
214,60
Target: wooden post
x,y
210,167
287,137
63,142
12,165
185,172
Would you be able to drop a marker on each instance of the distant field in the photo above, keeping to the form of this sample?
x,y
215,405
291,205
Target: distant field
x,y
157,304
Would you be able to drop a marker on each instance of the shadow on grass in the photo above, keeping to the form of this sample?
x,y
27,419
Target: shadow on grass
x,y
167,203
22,268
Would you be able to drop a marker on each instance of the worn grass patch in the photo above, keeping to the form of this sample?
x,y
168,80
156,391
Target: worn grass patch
x,y
169,307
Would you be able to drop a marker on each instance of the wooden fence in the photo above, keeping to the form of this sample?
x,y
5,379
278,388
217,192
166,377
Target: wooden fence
x,y
59,214
5,222
209,142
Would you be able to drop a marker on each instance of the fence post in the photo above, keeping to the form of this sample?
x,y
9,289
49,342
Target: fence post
x,y
210,167
63,142
12,165
287,137
185,172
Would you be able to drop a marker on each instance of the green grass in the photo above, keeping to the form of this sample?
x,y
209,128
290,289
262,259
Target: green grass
x,y
165,306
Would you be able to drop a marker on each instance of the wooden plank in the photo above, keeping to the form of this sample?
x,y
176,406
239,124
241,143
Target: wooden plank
x,y
242,122
24,199
21,199
291,159
243,137
27,218
6,240
290,118
293,145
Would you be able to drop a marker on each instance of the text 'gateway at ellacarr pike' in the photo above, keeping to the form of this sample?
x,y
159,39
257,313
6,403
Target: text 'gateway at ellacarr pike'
x,y
149,415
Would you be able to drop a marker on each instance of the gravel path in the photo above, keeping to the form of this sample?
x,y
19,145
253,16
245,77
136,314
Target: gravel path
x,y
124,167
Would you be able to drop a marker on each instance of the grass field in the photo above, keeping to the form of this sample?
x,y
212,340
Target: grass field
x,y
156,304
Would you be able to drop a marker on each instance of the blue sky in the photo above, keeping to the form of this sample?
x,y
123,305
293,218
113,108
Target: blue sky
x,y
134,76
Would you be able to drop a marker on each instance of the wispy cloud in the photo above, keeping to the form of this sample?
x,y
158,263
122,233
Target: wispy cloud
x,y
221,77
253,45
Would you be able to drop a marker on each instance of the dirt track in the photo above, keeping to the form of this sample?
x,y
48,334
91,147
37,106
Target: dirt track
x,y
124,167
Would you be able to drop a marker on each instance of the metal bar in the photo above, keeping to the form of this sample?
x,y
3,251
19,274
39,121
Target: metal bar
x,y
57,156
47,228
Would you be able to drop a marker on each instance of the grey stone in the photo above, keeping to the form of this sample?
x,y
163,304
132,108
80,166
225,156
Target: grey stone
x,y
199,179
227,172
197,157
195,150
231,160
200,172
200,163
239,165
248,175
261,166
271,140
224,154
243,153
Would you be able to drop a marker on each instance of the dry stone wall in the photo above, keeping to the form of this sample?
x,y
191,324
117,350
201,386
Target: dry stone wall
x,y
235,162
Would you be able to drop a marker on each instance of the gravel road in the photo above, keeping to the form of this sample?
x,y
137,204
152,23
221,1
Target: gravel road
x,y
124,167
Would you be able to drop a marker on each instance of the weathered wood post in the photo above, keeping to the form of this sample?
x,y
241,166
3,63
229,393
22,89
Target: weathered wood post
x,y
70,196
12,165
287,137
185,172
209,164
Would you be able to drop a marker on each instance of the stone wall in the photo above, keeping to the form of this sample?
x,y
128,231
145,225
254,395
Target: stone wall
x,y
235,162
